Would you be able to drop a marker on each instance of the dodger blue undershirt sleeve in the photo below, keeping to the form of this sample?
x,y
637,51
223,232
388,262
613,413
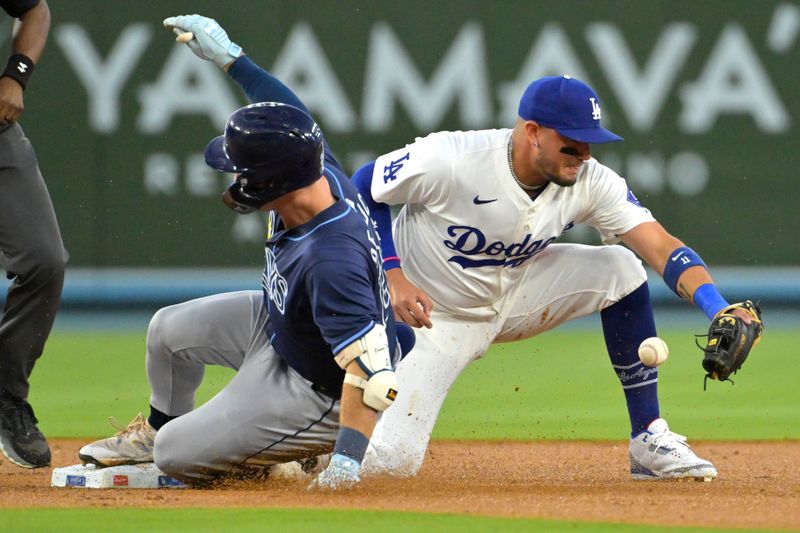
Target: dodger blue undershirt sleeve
x,y
261,86
380,213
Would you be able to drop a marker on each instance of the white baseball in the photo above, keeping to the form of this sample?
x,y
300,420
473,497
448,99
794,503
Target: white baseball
x,y
653,351
184,38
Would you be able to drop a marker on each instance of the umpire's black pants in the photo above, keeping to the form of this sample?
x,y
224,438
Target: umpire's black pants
x,y
33,256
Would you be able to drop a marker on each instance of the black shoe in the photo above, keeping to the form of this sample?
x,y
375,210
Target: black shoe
x,y
20,439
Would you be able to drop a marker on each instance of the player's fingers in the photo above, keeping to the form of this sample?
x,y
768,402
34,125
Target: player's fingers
x,y
411,320
182,22
8,113
423,316
185,38
403,314
744,315
426,303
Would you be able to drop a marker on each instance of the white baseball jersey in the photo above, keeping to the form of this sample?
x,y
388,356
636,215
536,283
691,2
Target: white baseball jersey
x,y
467,229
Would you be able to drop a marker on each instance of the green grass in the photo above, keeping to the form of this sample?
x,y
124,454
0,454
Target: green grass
x,y
556,386
292,520
83,378
561,386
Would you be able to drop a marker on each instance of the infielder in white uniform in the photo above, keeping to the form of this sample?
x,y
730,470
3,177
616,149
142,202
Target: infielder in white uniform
x,y
481,212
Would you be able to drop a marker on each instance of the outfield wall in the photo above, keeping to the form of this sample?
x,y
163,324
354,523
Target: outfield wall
x,y
705,94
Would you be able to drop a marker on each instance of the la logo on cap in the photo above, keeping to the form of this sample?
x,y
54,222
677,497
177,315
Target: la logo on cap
x,y
559,103
596,115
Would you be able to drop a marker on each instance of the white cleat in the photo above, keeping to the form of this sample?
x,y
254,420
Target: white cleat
x,y
658,453
130,446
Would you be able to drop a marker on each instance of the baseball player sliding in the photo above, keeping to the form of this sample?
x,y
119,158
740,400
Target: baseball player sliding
x,y
472,260
314,350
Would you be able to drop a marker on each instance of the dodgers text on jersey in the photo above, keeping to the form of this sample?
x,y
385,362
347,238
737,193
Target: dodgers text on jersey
x,y
471,241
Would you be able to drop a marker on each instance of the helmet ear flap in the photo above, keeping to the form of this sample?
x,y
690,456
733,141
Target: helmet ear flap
x,y
234,199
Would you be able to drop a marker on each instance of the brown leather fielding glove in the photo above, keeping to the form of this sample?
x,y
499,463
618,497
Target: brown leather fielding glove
x,y
730,340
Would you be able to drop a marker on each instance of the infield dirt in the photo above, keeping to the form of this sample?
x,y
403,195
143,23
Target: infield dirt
x,y
758,486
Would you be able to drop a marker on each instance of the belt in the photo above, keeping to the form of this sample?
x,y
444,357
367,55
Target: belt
x,y
335,393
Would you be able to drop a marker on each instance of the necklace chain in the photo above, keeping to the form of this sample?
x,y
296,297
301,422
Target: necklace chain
x,y
524,186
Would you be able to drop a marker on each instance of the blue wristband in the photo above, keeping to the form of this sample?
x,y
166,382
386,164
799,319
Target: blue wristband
x,y
708,298
351,443
679,261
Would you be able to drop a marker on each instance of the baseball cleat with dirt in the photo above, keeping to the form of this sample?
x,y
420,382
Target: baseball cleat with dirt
x,y
20,439
131,445
658,453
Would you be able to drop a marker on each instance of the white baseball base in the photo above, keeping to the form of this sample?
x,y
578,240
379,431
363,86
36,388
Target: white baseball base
x,y
144,476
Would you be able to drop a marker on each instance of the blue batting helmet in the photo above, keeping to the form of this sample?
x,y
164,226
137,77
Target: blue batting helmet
x,y
274,148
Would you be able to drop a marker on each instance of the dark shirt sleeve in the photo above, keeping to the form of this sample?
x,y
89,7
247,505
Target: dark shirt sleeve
x,y
17,8
261,86
342,300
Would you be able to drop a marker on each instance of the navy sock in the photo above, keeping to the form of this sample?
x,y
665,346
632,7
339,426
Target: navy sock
x,y
157,419
625,325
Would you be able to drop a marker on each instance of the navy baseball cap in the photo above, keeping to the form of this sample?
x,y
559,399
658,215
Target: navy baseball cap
x,y
568,106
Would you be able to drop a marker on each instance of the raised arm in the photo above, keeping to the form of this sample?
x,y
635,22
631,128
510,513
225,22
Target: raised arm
x,y
209,41
261,86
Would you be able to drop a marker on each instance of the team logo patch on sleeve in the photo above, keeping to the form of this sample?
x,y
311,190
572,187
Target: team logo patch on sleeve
x,y
390,171
632,199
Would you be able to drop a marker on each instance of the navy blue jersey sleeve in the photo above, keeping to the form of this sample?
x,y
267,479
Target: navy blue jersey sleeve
x,y
261,86
342,300
380,213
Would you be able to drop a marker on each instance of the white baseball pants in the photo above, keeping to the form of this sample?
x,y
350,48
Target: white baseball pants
x,y
564,282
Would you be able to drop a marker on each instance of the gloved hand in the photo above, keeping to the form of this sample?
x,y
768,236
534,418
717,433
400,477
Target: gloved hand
x,y
341,473
730,339
210,41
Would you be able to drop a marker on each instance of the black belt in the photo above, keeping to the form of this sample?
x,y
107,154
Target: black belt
x,y
334,393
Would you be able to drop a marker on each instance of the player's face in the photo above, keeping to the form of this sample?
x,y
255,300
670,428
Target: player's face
x,y
559,158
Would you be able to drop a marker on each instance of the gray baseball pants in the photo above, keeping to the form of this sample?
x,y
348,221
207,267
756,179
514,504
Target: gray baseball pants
x,y
33,256
266,414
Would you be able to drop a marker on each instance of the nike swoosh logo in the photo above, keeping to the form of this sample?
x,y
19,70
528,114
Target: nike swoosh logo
x,y
478,201
674,258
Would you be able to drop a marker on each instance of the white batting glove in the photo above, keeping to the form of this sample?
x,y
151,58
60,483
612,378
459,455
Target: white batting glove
x,y
341,473
210,41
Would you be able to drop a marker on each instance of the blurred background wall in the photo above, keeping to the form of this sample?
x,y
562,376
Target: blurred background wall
x,y
705,94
